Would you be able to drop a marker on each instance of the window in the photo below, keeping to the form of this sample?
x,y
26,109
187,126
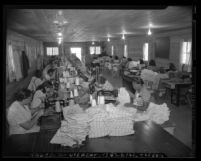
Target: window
x,y
95,50
125,51
52,51
146,52
186,53
112,52
11,59
77,52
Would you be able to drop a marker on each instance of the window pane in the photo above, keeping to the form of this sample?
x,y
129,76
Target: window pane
x,y
92,50
98,50
55,51
49,51
146,51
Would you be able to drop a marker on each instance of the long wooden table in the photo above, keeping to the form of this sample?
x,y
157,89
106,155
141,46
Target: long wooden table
x,y
175,86
149,139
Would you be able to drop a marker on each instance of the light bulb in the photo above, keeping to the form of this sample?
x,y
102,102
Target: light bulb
x,y
92,43
59,34
108,39
123,37
149,32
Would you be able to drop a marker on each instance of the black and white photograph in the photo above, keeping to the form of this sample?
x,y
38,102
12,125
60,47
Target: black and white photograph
x,y
99,82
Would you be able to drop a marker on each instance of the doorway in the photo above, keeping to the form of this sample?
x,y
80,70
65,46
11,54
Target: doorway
x,y
77,52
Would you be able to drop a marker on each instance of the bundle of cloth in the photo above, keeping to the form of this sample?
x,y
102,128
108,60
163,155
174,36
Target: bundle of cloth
x,y
123,96
108,120
149,75
74,128
156,113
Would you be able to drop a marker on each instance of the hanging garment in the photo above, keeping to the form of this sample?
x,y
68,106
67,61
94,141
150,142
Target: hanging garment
x,y
18,69
25,64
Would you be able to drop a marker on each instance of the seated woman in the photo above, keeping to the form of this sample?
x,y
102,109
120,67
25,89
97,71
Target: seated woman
x,y
50,74
35,81
142,96
152,65
41,93
103,84
141,64
21,118
171,68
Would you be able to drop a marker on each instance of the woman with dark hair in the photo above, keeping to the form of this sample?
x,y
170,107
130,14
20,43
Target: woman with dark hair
x,y
103,84
40,94
152,65
142,96
152,62
141,64
20,118
172,67
35,81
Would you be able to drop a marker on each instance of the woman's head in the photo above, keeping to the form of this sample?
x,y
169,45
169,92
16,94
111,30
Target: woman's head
x,y
50,72
38,74
101,80
141,61
45,87
137,84
152,63
172,67
129,59
24,96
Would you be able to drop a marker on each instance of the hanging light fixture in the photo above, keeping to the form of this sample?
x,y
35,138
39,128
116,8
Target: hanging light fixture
x,y
92,43
123,37
149,32
108,39
60,20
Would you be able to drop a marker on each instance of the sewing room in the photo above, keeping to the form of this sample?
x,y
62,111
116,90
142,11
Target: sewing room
x,y
99,82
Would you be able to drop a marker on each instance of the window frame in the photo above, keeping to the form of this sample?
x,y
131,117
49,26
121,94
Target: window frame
x,y
52,49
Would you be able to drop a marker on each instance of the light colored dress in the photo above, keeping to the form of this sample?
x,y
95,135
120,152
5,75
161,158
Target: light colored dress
x,y
37,99
16,115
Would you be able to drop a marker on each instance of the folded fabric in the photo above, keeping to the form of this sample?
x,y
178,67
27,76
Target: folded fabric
x,y
123,96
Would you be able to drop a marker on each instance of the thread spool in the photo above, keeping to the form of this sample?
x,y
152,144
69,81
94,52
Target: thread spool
x,y
71,94
58,108
75,92
93,103
77,81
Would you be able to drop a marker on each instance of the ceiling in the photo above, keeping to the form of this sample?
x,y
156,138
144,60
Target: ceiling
x,y
96,24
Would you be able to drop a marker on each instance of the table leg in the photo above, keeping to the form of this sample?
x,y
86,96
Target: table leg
x,y
177,95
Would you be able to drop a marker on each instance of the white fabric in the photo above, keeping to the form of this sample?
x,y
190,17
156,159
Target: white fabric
x,y
150,76
37,99
157,113
16,115
34,83
110,120
74,129
123,96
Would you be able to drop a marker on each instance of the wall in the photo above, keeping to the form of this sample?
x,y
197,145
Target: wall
x,y
86,57
135,46
32,47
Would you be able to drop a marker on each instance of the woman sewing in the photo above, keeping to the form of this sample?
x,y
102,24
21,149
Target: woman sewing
x,y
21,118
142,96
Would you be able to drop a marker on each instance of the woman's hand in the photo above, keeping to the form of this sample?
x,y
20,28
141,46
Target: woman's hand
x,y
139,101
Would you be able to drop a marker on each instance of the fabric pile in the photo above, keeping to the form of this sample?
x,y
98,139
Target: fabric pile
x,y
74,128
149,75
157,113
123,96
110,120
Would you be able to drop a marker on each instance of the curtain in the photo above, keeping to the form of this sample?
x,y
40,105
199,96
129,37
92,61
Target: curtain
x,y
185,55
25,64
17,61
10,63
